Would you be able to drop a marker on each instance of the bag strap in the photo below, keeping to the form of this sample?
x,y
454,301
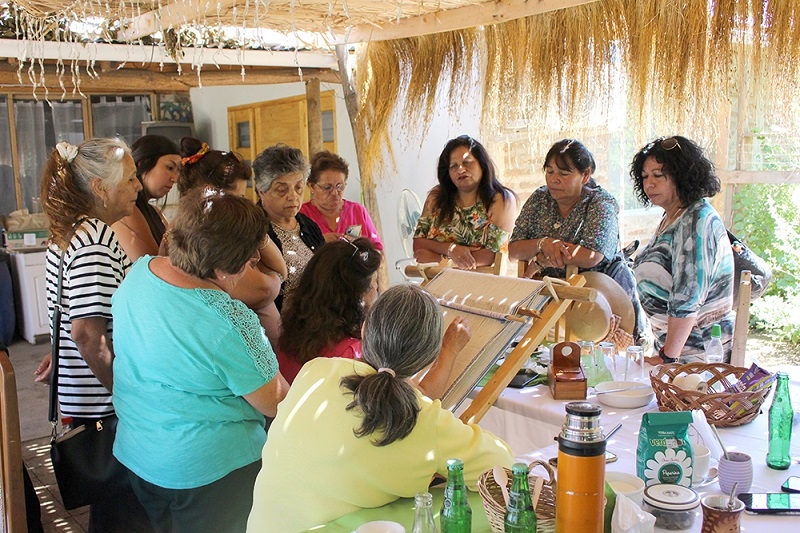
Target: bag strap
x,y
55,328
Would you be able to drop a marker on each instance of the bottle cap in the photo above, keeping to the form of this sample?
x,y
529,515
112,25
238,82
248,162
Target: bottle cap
x,y
455,464
716,331
519,469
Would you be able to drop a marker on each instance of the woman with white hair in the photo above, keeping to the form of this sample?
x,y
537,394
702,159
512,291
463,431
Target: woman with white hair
x,y
86,189
281,172
355,433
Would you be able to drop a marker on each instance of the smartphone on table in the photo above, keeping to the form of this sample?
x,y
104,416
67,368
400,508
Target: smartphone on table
x,y
792,484
771,503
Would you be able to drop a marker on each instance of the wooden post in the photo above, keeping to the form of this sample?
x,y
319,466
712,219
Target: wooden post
x,y
314,107
740,326
367,179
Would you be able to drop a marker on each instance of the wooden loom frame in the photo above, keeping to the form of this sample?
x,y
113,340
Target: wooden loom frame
x,y
543,322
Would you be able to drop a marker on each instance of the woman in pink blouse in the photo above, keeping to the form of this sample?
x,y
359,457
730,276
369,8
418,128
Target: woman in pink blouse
x,y
334,215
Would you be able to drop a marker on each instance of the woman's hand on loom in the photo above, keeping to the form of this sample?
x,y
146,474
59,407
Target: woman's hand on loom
x,y
456,337
463,258
554,254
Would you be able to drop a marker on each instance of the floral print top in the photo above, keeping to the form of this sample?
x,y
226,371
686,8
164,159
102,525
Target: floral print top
x,y
470,226
592,223
687,271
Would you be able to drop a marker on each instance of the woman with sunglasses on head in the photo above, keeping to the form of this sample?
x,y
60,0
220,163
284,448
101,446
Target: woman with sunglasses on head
x,y
158,164
334,215
335,292
261,284
469,215
685,274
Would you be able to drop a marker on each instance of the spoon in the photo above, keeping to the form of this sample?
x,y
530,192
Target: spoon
x,y
501,478
719,439
730,500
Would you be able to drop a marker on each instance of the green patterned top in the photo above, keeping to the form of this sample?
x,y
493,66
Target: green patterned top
x,y
470,226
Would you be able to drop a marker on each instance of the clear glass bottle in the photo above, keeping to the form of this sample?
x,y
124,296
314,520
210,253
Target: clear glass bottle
x,y
423,515
456,514
520,516
780,425
714,351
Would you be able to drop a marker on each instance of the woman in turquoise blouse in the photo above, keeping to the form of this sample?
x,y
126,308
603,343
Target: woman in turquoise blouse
x,y
194,374
685,274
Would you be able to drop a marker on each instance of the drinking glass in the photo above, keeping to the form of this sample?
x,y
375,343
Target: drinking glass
x,y
587,360
636,364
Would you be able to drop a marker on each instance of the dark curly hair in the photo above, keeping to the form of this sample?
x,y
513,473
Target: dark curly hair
x,y
444,200
328,307
217,169
684,162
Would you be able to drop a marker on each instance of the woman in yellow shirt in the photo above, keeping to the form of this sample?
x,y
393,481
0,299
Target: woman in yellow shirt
x,y
356,434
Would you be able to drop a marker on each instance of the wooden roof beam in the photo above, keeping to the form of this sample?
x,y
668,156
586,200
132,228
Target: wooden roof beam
x,y
174,14
485,14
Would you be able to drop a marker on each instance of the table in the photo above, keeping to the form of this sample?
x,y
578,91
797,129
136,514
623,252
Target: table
x,y
529,416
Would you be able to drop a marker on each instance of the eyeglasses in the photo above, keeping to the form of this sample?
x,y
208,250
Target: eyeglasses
x,y
328,187
670,143
667,143
363,254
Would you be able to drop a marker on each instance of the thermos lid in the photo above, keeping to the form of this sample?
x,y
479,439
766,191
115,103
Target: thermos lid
x,y
587,409
670,497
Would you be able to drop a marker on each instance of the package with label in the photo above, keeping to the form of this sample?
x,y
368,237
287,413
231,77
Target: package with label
x,y
664,453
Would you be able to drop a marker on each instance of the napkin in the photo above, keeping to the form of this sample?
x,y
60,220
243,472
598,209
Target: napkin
x,y
630,518
705,434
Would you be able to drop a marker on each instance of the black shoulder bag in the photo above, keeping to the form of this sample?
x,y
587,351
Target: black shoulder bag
x,y
745,259
84,464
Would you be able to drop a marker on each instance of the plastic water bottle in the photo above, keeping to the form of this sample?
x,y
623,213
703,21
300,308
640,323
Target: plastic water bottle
x,y
714,352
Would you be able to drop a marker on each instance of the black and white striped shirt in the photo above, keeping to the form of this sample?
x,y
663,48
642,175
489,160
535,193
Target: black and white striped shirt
x,y
94,267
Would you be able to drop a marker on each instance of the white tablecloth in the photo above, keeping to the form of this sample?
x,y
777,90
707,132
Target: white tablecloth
x,y
529,419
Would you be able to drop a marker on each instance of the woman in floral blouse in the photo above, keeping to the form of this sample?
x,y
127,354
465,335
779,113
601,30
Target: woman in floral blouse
x,y
569,221
469,215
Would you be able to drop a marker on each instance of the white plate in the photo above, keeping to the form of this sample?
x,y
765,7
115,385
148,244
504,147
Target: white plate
x,y
627,399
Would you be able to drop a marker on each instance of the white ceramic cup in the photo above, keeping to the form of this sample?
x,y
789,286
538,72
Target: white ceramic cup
x,y
381,526
737,468
700,463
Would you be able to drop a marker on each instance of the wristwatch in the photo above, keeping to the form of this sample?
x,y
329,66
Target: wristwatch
x,y
664,357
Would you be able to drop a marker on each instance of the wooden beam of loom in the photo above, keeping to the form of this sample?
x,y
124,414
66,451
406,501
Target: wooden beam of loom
x,y
484,14
514,360
174,14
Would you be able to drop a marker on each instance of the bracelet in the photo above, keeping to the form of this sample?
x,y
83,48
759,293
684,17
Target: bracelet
x,y
280,277
450,249
539,246
664,357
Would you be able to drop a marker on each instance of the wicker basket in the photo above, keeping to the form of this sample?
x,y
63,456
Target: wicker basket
x,y
724,409
495,506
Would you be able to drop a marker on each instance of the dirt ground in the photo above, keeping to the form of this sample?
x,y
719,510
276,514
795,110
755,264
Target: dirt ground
x,y
762,348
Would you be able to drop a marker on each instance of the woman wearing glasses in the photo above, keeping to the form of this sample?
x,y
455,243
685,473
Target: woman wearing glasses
x,y
685,274
334,215
469,215
281,173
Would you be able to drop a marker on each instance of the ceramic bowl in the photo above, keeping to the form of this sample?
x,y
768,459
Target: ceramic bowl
x,y
627,484
640,395
381,526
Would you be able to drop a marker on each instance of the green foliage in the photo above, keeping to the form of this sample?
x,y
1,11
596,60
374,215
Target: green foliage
x,y
777,317
768,220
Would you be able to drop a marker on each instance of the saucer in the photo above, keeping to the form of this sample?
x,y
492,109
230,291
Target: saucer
x,y
711,477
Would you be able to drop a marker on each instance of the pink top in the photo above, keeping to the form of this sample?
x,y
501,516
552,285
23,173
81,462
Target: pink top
x,y
353,214
347,348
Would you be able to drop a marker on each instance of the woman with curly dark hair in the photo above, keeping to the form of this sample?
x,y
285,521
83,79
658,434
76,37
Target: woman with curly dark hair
x,y
336,288
685,274
469,215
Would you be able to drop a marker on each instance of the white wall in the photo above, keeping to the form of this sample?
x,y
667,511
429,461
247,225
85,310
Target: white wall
x,y
415,155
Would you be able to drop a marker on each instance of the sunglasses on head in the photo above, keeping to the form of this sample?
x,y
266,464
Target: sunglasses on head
x,y
363,254
667,143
